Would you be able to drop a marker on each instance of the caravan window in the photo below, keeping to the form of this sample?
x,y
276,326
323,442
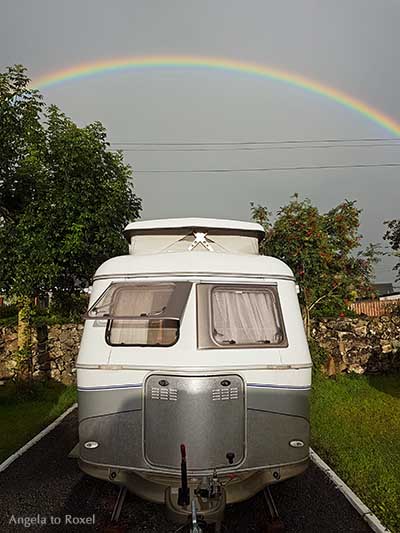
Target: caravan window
x,y
142,332
239,316
142,314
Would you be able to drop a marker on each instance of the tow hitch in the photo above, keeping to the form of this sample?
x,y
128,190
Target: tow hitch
x,y
196,504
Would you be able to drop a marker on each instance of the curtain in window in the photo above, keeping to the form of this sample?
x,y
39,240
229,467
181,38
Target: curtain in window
x,y
144,332
245,317
135,301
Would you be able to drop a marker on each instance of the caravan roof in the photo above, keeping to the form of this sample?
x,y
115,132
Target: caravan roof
x,y
197,234
163,225
190,263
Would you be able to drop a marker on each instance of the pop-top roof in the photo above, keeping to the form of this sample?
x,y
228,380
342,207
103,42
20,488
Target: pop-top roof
x,y
190,264
165,225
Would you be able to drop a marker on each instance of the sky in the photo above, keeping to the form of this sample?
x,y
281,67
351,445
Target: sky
x,y
349,45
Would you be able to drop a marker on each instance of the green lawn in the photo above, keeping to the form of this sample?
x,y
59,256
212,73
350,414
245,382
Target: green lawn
x,y
355,425
24,414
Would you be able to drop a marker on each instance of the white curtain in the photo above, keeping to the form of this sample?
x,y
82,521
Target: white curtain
x,y
246,317
144,332
135,301
129,332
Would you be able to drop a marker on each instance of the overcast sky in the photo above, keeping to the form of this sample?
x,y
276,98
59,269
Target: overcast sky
x,y
349,45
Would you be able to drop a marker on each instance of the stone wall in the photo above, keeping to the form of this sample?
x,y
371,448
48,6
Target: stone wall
x,y
361,345
54,350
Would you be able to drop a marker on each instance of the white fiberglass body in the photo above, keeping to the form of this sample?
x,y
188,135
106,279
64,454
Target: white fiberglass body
x,y
190,336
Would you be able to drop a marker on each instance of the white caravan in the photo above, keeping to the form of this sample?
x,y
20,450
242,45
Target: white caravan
x,y
194,371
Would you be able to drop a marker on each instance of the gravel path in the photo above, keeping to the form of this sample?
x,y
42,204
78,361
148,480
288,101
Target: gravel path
x,y
45,486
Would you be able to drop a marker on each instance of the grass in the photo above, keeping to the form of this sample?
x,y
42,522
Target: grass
x,y
24,413
355,423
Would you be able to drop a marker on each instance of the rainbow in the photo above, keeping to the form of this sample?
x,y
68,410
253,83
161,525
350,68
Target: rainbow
x,y
86,70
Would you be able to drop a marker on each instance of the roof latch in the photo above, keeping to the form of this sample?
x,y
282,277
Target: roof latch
x,y
200,238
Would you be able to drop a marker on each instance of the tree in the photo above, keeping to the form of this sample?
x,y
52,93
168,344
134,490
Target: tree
x,y
393,236
75,221
64,198
22,139
21,153
319,248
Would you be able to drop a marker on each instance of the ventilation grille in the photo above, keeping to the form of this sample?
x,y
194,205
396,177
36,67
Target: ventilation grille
x,y
164,393
231,393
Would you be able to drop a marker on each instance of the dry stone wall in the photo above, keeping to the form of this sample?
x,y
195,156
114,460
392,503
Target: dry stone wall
x,y
8,347
54,352
361,345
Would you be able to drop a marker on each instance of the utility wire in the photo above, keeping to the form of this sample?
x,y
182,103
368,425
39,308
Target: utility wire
x,y
266,169
240,143
253,148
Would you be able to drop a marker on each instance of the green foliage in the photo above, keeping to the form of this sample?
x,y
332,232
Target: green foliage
x,y
10,310
68,309
355,427
318,354
319,248
21,161
9,321
332,308
21,141
23,360
70,196
392,235
62,313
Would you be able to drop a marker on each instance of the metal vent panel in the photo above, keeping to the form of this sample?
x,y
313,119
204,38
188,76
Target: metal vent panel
x,y
206,416
226,393
164,393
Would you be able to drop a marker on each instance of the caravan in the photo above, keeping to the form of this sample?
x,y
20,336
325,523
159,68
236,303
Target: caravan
x,y
194,370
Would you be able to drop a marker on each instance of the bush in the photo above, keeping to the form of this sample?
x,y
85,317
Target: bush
x,y
8,315
318,355
7,311
69,307
9,321
333,308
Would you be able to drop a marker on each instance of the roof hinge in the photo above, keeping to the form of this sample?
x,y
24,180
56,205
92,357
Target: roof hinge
x,y
200,238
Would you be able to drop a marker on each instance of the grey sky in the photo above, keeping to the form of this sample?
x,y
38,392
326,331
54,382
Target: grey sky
x,y
350,45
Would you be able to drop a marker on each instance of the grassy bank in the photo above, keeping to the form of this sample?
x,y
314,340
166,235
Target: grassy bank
x,y
355,424
24,413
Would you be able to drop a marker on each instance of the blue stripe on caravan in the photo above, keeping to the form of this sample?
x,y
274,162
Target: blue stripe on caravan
x,y
111,387
270,386
139,385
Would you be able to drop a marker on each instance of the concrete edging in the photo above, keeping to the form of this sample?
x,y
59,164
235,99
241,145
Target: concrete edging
x,y
5,464
354,500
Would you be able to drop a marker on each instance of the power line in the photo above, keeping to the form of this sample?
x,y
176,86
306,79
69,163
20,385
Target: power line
x,y
266,169
240,143
253,148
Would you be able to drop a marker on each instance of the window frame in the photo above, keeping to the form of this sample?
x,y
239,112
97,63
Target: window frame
x,y
175,307
174,311
141,345
205,315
